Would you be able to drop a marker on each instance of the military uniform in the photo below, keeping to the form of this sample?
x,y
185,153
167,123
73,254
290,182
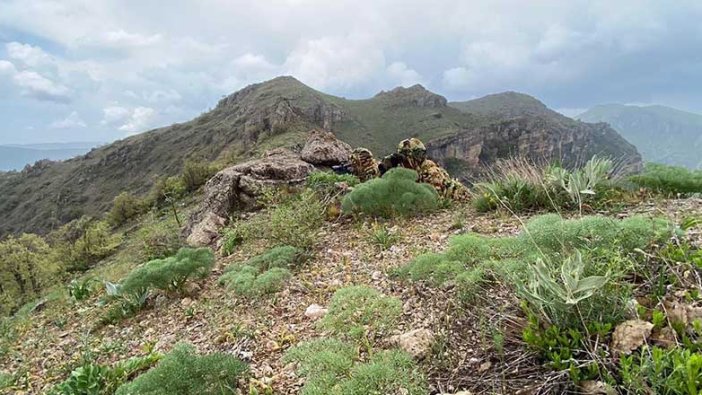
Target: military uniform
x,y
363,164
414,156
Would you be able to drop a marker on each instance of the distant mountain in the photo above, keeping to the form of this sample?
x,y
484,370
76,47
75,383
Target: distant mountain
x,y
662,134
16,156
280,112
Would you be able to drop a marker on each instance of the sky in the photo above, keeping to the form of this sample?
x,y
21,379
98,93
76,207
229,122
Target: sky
x,y
100,70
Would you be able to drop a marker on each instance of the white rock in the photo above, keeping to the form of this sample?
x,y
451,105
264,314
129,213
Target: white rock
x,y
315,311
417,342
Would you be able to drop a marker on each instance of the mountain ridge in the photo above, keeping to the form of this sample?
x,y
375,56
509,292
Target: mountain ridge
x,y
662,134
276,113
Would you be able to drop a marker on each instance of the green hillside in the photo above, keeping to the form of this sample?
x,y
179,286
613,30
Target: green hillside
x,y
662,134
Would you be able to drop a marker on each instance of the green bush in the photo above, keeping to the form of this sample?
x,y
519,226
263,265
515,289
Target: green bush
x,y
166,190
660,371
27,268
296,221
124,207
94,379
287,257
669,180
324,181
263,274
196,173
184,372
169,274
361,312
472,259
332,368
83,242
396,193
160,239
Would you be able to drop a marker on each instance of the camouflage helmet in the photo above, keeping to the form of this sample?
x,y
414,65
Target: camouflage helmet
x,y
412,148
361,153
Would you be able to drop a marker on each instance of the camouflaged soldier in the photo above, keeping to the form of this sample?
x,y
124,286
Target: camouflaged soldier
x,y
414,156
363,164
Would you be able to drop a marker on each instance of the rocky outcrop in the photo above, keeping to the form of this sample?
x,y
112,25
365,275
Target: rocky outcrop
x,y
414,96
239,187
324,149
536,138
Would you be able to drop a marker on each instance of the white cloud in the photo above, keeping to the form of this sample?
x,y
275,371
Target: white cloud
x,y
7,68
399,72
28,54
338,62
73,120
121,38
35,85
130,120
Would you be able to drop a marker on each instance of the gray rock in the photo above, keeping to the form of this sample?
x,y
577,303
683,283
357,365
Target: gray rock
x,y
324,149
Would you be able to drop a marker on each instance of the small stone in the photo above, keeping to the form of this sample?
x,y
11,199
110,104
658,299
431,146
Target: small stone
x,y
592,387
192,288
315,311
417,342
630,335
186,302
484,366
377,275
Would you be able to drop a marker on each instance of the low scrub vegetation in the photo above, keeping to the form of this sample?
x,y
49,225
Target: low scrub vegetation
x,y
263,274
471,260
91,378
519,185
289,219
669,180
333,367
361,313
184,372
125,207
397,193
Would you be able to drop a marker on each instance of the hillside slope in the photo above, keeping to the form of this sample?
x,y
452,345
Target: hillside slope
x,y
280,112
662,134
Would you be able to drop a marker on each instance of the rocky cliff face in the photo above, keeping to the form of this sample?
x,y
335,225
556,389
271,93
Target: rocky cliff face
x,y
537,138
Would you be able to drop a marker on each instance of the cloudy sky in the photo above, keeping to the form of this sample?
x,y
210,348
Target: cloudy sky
x,y
99,70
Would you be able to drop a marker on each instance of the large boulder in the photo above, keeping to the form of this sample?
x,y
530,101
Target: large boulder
x,y
239,187
324,149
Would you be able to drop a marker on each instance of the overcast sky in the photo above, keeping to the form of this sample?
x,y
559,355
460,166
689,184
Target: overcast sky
x,y
99,70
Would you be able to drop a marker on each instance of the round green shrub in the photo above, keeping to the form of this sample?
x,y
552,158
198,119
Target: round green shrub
x,y
396,193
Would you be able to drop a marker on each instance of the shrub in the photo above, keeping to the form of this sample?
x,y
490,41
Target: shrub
x,y
184,372
160,239
27,269
360,313
196,173
169,274
669,180
396,193
263,274
296,221
660,371
471,259
166,190
92,379
331,368
124,207
285,256
324,181
83,242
